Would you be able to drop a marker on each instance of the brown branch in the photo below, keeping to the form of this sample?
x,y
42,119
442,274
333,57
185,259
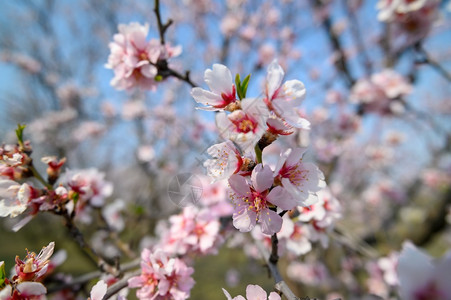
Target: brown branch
x,y
161,27
426,59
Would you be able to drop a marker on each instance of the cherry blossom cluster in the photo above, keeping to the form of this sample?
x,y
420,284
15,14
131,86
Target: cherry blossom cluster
x,y
136,61
382,93
29,272
162,277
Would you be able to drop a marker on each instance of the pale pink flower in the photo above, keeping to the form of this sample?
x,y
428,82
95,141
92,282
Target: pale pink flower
x,y
133,58
112,215
162,277
282,99
244,126
254,292
422,278
222,90
252,203
192,231
321,216
226,161
14,198
98,291
312,274
302,180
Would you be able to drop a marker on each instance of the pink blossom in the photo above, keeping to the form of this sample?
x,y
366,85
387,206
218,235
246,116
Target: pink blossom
x,y
244,126
222,90
133,58
282,99
381,92
192,231
226,161
302,180
422,278
253,203
162,277
254,292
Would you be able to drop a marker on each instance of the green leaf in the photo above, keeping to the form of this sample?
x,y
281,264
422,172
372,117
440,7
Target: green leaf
x,y
244,85
238,86
19,133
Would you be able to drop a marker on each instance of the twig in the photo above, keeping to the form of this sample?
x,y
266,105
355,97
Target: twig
x,y
121,284
161,27
428,60
280,285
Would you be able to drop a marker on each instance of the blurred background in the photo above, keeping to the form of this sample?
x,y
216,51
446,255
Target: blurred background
x,y
389,166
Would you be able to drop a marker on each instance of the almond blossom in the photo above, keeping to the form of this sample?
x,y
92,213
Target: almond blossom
x,y
134,59
222,90
253,202
244,126
301,179
14,198
162,277
282,99
226,161
254,292
422,278
98,291
192,231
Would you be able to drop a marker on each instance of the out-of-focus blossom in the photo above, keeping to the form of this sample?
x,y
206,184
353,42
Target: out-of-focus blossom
x,y
162,277
192,231
254,292
98,291
307,273
382,93
134,59
321,216
422,278
14,198
112,214
87,130
222,90
412,19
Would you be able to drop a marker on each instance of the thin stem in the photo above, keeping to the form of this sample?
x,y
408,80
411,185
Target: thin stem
x,y
119,285
39,177
280,285
435,65
161,27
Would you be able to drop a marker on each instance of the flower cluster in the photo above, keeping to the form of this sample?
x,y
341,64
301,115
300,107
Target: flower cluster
x,y
257,189
413,19
194,231
25,284
252,118
134,59
383,93
162,277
